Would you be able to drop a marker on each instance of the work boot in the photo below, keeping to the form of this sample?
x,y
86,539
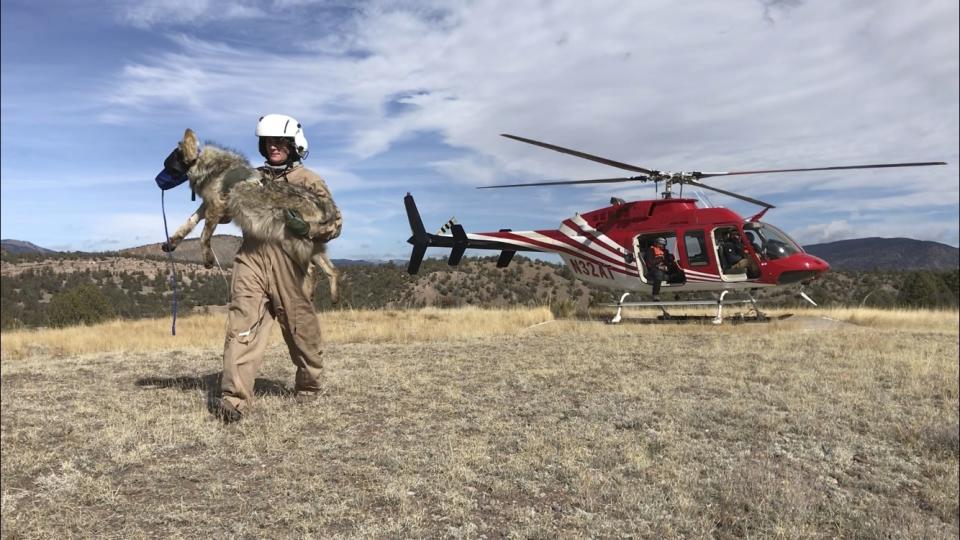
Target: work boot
x,y
227,412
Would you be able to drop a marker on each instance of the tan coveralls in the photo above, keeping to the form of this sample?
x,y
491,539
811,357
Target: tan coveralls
x,y
267,286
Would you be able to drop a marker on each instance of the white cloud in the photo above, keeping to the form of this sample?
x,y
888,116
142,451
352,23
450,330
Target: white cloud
x,y
827,232
468,170
73,181
918,227
127,227
575,73
665,85
147,13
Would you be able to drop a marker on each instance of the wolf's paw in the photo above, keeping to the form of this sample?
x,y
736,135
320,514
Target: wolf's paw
x,y
334,294
167,247
208,258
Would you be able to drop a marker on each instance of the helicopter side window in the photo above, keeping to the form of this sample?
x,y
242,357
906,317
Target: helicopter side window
x,y
696,247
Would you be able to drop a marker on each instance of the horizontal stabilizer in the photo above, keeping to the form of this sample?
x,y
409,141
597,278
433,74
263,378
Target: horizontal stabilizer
x,y
459,244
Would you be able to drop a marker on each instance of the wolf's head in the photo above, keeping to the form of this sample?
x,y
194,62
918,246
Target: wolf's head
x,y
179,161
183,156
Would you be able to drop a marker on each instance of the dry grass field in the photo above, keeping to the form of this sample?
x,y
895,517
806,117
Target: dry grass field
x,y
487,424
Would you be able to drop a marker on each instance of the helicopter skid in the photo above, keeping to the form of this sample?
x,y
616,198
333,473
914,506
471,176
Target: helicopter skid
x,y
758,316
737,318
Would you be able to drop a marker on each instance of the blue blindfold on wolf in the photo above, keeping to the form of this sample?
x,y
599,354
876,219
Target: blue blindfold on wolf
x,y
174,171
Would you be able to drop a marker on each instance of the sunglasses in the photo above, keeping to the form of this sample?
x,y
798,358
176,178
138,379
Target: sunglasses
x,y
280,142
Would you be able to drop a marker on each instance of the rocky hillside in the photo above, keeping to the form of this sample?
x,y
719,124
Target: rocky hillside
x,y
224,246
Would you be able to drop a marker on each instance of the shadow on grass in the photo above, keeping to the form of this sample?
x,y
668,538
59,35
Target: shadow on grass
x,y
210,385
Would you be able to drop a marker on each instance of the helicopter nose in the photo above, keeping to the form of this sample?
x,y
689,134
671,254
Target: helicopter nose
x,y
807,267
817,264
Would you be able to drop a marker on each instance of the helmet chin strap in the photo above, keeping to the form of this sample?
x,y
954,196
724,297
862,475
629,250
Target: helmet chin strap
x,y
282,167
289,163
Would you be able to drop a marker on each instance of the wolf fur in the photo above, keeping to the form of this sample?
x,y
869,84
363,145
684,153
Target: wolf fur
x,y
230,189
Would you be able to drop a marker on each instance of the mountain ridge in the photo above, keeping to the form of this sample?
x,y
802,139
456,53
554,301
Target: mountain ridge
x,y
871,253
22,246
876,253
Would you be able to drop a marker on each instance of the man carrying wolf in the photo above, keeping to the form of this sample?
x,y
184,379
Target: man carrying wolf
x,y
267,283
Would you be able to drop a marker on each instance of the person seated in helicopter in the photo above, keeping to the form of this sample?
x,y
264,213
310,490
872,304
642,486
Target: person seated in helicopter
x,y
661,266
754,242
733,256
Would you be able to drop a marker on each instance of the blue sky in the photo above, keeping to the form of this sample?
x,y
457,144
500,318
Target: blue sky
x,y
411,96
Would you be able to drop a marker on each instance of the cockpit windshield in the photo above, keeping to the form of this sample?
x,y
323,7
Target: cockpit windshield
x,y
769,241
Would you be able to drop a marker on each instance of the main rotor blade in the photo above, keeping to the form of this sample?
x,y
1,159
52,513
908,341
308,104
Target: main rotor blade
x,y
568,182
839,168
584,155
730,194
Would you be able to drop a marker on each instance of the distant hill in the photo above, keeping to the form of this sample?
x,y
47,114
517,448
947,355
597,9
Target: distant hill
x,y
860,254
225,247
887,254
19,246
857,254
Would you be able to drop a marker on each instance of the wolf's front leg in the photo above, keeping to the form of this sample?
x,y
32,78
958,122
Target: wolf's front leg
x,y
184,229
209,224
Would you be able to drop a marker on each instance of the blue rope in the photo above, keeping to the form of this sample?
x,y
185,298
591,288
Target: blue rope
x,y
173,268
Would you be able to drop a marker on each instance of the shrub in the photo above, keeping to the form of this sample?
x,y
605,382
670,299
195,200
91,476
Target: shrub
x,y
562,309
83,304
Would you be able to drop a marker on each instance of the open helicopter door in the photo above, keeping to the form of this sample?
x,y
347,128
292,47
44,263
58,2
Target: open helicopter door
x,y
747,269
642,243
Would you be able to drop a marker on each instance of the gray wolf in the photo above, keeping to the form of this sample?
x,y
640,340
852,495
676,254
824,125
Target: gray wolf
x,y
231,189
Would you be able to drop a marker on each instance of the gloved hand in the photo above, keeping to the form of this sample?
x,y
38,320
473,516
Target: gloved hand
x,y
295,223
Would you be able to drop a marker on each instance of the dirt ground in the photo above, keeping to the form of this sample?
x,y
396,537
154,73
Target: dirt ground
x,y
801,428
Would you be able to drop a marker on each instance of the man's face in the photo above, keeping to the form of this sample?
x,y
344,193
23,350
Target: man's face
x,y
278,150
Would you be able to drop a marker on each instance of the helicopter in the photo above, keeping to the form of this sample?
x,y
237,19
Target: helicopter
x,y
610,246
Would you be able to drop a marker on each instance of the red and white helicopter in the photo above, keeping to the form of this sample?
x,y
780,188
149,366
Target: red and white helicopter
x,y
607,246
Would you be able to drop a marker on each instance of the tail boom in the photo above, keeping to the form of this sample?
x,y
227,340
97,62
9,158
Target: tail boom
x,y
458,242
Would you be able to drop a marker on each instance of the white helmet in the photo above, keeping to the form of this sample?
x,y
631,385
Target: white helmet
x,y
281,125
